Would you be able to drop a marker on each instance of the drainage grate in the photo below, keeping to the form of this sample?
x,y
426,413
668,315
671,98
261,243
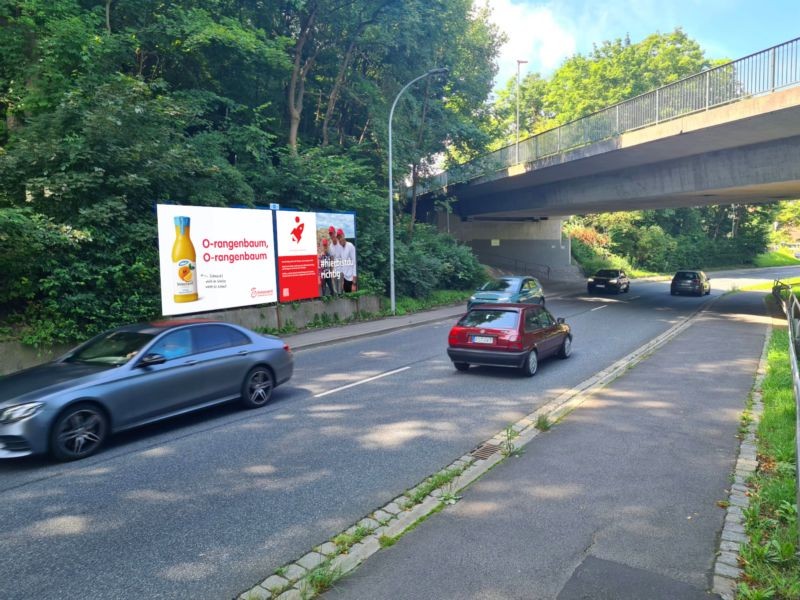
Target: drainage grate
x,y
484,451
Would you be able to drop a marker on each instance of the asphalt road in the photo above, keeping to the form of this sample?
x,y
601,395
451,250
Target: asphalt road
x,y
616,502
207,506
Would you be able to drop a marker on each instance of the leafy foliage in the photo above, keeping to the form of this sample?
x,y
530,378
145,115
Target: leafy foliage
x,y
107,108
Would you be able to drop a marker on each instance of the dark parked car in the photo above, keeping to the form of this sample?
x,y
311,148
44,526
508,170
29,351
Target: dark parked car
x,y
690,281
508,335
513,288
614,280
135,375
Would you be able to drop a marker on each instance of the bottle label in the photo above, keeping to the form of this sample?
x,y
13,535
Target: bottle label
x,y
185,280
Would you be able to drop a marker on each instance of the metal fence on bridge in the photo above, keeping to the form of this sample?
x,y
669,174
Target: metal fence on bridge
x,y
791,307
760,73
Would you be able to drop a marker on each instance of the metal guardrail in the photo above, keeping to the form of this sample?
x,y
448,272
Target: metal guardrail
x,y
760,73
791,308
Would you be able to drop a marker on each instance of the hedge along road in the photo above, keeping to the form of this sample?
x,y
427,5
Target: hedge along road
x,y
209,505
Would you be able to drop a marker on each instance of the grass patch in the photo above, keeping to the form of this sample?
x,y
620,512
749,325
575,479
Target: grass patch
x,y
543,423
387,541
434,482
323,577
406,305
345,541
770,562
776,258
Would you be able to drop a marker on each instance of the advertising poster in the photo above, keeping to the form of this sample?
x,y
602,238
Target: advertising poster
x,y
310,259
215,258
298,268
337,263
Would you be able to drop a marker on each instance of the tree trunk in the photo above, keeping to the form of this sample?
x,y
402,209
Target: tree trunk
x,y
108,16
415,166
298,80
337,86
414,176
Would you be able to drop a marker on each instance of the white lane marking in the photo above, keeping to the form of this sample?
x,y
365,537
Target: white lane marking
x,y
349,385
633,298
599,307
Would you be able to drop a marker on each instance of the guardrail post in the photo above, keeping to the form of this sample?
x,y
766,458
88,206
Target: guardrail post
x,y
657,107
772,70
616,129
708,88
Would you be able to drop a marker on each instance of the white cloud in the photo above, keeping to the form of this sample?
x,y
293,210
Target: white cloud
x,y
535,34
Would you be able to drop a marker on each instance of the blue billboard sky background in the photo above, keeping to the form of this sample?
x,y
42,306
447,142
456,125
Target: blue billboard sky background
x,y
344,221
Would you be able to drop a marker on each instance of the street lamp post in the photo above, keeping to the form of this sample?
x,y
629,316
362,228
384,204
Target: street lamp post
x,y
391,191
519,62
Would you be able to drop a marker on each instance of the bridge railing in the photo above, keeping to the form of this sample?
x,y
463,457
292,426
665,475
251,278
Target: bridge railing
x,y
785,296
760,73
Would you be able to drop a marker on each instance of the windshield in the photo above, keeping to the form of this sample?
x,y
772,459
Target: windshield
x,y
112,348
499,285
607,273
492,319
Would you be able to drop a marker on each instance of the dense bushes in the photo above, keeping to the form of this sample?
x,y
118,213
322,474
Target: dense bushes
x,y
430,260
667,240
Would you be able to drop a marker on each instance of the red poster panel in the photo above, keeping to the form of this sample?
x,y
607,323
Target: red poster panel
x,y
299,277
298,263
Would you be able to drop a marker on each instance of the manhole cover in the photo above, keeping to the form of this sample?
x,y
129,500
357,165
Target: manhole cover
x,y
484,451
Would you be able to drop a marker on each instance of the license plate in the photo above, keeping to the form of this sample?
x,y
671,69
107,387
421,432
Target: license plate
x,y
482,339
600,285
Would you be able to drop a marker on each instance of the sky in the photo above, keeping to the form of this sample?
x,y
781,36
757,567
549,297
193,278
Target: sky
x,y
546,32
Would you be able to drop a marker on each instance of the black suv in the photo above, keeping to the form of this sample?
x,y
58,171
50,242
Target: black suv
x,y
690,281
608,279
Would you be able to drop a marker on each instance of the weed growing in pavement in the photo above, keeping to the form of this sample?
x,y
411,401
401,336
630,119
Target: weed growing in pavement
x,y
345,541
507,447
543,423
419,493
281,572
744,422
387,541
323,577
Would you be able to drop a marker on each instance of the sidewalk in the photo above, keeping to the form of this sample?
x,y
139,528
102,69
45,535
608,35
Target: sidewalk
x,y
618,501
318,337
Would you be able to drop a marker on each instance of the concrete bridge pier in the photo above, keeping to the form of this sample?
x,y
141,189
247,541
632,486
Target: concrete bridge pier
x,y
533,246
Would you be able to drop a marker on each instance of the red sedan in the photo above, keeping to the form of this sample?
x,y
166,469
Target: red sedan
x,y
508,335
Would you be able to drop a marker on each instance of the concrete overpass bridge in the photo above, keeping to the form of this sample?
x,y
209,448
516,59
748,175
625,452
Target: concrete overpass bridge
x,y
727,135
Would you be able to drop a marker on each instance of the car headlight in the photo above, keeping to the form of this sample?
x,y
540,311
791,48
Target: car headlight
x,y
591,280
613,280
12,414
472,298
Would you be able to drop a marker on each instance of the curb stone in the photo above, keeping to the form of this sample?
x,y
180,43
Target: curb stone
x,y
404,513
726,565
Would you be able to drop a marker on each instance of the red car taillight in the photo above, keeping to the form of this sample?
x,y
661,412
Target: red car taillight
x,y
287,349
455,334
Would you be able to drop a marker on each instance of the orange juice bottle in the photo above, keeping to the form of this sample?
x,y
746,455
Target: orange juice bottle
x,y
184,262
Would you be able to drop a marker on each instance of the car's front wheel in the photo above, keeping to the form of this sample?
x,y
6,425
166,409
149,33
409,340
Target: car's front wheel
x,y
566,348
531,364
78,432
461,366
257,387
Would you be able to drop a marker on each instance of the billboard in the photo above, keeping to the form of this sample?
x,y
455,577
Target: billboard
x,y
215,258
310,259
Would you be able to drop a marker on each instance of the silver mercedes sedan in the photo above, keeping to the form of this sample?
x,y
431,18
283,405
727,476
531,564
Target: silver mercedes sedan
x,y
132,376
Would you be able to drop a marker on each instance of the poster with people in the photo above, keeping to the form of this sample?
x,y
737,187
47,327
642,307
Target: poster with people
x,y
336,233
215,258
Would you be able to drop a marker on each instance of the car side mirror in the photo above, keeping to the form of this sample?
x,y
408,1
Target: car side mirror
x,y
560,320
148,360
